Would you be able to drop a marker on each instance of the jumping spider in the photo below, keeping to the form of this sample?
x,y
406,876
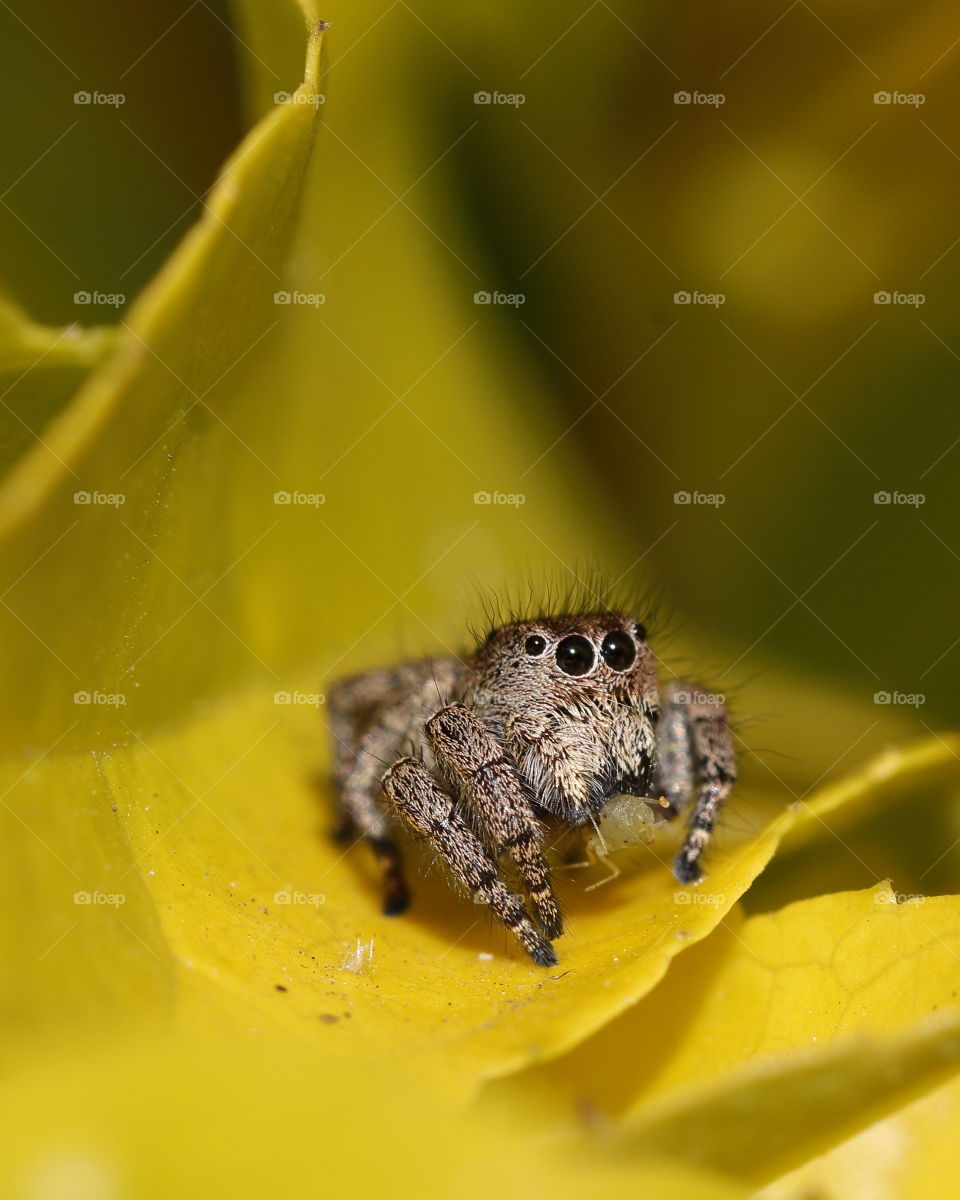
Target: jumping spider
x,y
552,717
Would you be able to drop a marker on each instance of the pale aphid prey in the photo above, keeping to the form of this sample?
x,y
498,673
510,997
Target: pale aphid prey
x,y
545,723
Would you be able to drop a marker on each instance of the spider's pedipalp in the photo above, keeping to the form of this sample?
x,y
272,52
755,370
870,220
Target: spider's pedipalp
x,y
494,795
422,803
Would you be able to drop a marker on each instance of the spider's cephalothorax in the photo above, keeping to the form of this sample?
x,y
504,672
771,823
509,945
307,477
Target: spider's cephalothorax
x,y
575,702
548,719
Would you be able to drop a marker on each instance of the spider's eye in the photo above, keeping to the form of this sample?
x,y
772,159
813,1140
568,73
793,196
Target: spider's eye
x,y
640,632
618,651
535,645
575,655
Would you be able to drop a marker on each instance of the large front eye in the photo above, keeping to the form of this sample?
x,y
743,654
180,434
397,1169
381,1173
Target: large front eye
x,y
575,655
619,652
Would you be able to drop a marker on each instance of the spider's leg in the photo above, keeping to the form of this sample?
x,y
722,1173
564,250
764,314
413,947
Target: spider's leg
x,y
695,756
357,767
370,716
427,808
350,703
469,754
673,776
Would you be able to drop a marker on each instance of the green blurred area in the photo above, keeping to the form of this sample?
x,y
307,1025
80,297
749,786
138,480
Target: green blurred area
x,y
123,115
799,398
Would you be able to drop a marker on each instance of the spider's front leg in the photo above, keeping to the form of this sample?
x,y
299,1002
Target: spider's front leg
x,y
420,801
695,756
474,761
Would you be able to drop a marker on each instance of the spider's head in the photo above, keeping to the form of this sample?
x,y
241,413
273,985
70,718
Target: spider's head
x,y
575,700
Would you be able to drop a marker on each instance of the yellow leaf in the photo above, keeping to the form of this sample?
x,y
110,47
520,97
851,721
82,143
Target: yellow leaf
x,y
911,1155
99,491
778,1037
199,857
158,802
213,838
40,369
761,1121
26,345
892,777
854,831
225,1119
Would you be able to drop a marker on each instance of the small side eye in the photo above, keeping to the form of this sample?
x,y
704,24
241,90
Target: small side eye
x,y
640,632
575,655
619,652
535,645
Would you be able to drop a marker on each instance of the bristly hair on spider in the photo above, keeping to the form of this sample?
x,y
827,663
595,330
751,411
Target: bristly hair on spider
x,y
556,713
585,587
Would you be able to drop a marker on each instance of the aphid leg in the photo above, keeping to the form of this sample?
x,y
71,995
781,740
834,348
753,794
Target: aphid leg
x,y
613,873
695,755
593,857
624,822
471,757
423,804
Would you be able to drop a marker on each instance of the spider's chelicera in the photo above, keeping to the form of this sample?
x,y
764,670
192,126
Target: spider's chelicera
x,y
548,720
